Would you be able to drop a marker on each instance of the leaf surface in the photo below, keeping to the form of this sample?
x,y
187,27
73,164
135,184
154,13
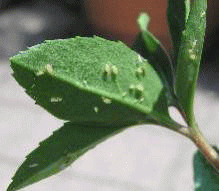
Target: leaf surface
x,y
59,151
189,57
151,48
205,176
91,80
177,13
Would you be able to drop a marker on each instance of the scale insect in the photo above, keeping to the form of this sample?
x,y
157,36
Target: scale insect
x,y
48,68
110,71
137,91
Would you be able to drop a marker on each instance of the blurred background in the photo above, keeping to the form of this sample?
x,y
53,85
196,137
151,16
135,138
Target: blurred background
x,y
141,158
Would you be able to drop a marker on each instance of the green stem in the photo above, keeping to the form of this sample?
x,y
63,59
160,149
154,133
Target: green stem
x,y
172,125
195,135
207,150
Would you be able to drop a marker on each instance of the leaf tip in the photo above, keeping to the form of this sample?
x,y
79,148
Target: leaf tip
x,y
11,187
143,21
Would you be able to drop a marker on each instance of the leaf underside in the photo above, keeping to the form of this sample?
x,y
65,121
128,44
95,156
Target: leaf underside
x,y
91,80
189,57
205,176
59,151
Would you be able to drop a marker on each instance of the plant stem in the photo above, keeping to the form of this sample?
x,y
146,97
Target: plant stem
x,y
195,135
173,125
207,150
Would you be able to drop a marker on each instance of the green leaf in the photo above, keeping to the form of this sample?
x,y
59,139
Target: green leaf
x,y
151,48
189,57
92,80
205,176
59,151
177,13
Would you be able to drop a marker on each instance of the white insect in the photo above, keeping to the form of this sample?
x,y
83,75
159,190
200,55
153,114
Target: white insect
x,y
84,83
110,70
140,71
107,69
139,88
106,100
33,165
140,58
194,43
141,99
47,69
96,109
56,99
132,88
40,73
192,55
203,13
114,70
124,94
137,91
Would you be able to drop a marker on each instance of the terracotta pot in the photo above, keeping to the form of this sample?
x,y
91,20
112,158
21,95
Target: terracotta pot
x,y
118,18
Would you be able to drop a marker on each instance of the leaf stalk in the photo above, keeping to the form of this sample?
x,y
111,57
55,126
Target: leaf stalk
x,y
206,149
195,135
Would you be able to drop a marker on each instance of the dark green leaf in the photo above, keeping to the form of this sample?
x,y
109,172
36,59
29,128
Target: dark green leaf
x,y
189,57
60,150
178,12
205,176
151,48
91,80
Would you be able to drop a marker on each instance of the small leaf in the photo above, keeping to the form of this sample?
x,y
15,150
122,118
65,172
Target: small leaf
x,y
91,79
151,48
59,151
205,176
178,12
189,57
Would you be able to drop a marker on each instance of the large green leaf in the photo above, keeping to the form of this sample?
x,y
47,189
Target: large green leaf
x,y
178,12
189,57
205,176
151,48
58,151
92,80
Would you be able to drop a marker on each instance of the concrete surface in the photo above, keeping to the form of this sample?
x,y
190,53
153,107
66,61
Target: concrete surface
x,y
143,158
